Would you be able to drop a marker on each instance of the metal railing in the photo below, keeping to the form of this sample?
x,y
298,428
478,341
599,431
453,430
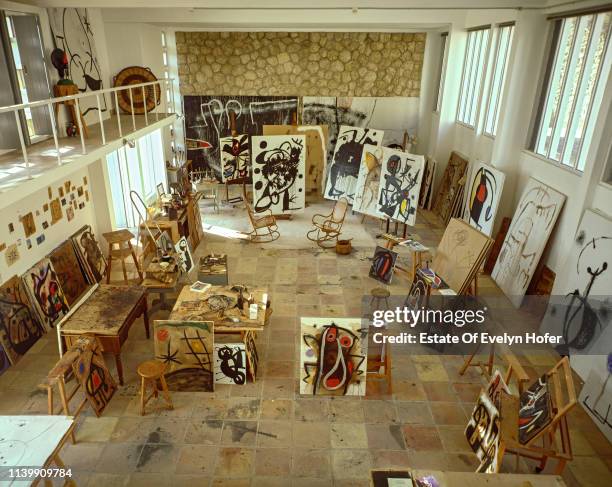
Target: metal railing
x,y
166,104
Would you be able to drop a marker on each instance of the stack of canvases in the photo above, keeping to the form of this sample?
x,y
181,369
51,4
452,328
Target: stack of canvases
x,y
450,194
32,304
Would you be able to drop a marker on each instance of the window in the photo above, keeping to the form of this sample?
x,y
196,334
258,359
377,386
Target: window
x,y
165,62
441,65
139,168
577,71
471,80
498,75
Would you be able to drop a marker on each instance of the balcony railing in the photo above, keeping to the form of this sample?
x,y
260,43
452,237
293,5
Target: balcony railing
x,y
163,108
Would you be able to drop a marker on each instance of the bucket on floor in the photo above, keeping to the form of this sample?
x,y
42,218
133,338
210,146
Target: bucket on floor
x,y
343,247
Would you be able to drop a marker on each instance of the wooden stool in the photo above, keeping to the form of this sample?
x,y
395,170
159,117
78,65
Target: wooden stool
x,y
378,294
150,372
121,238
67,90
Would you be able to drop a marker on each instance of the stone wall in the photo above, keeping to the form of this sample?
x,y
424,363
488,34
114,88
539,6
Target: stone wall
x,y
300,63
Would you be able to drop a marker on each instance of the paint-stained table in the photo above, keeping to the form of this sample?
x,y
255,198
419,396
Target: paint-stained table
x,y
108,314
219,304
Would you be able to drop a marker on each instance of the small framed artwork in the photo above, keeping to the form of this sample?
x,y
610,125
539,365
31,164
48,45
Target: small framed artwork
x,y
160,190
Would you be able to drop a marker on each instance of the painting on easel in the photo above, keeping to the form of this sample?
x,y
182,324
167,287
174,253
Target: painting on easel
x,y
383,264
235,158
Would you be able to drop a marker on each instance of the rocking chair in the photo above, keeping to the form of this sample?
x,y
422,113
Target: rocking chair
x,y
264,226
328,227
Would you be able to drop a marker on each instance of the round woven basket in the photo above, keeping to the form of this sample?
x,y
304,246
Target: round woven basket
x,y
132,76
343,247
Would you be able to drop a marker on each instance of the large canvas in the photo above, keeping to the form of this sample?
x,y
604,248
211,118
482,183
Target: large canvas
x,y
400,185
69,272
460,254
186,347
46,292
91,372
596,399
532,224
316,150
579,308
482,433
20,327
449,185
185,257
208,118
394,115
333,357
89,253
419,292
235,157
72,32
483,191
383,264
279,164
368,181
230,363
535,411
429,176
346,160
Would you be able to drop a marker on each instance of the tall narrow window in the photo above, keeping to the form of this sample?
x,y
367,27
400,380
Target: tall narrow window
x,y
498,76
471,80
441,68
577,70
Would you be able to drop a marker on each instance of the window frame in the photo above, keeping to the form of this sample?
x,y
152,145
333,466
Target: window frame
x,y
437,105
572,101
475,81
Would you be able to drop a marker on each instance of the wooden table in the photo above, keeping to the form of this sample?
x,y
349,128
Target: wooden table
x,y
379,478
108,314
33,442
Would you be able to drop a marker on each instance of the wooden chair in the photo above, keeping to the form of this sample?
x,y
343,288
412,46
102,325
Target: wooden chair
x,y
264,225
328,227
121,238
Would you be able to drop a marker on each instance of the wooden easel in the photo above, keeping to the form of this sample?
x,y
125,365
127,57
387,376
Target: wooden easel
x,y
554,440
417,256
379,362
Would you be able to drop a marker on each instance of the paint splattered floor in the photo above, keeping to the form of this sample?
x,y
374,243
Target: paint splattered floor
x,y
265,433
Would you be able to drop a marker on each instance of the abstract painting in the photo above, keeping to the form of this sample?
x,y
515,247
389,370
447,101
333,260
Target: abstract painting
x,y
383,264
333,357
460,254
230,363
89,253
346,160
482,433
484,189
419,291
4,360
251,354
596,398
535,411
394,115
368,182
186,347
532,224
580,305
235,159
455,170
69,273
426,195
42,283
495,388
209,118
400,185
20,327
72,32
316,150
279,164
184,253
91,372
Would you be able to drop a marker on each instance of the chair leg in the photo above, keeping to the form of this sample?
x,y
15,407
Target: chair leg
x,y
166,392
143,390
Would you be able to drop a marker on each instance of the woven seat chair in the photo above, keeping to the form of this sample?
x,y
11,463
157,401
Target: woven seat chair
x,y
264,225
327,228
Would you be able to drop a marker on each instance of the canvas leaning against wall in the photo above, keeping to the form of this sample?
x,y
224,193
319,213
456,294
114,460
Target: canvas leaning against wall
x,y
279,164
333,357
400,185
483,192
532,224
368,182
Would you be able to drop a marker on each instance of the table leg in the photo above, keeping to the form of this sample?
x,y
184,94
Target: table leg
x,y
135,259
110,261
119,365
145,313
64,398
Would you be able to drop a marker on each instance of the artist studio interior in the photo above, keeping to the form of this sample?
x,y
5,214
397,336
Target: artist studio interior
x,y
334,243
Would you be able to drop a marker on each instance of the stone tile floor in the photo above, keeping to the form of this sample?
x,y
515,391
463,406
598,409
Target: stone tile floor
x,y
265,433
